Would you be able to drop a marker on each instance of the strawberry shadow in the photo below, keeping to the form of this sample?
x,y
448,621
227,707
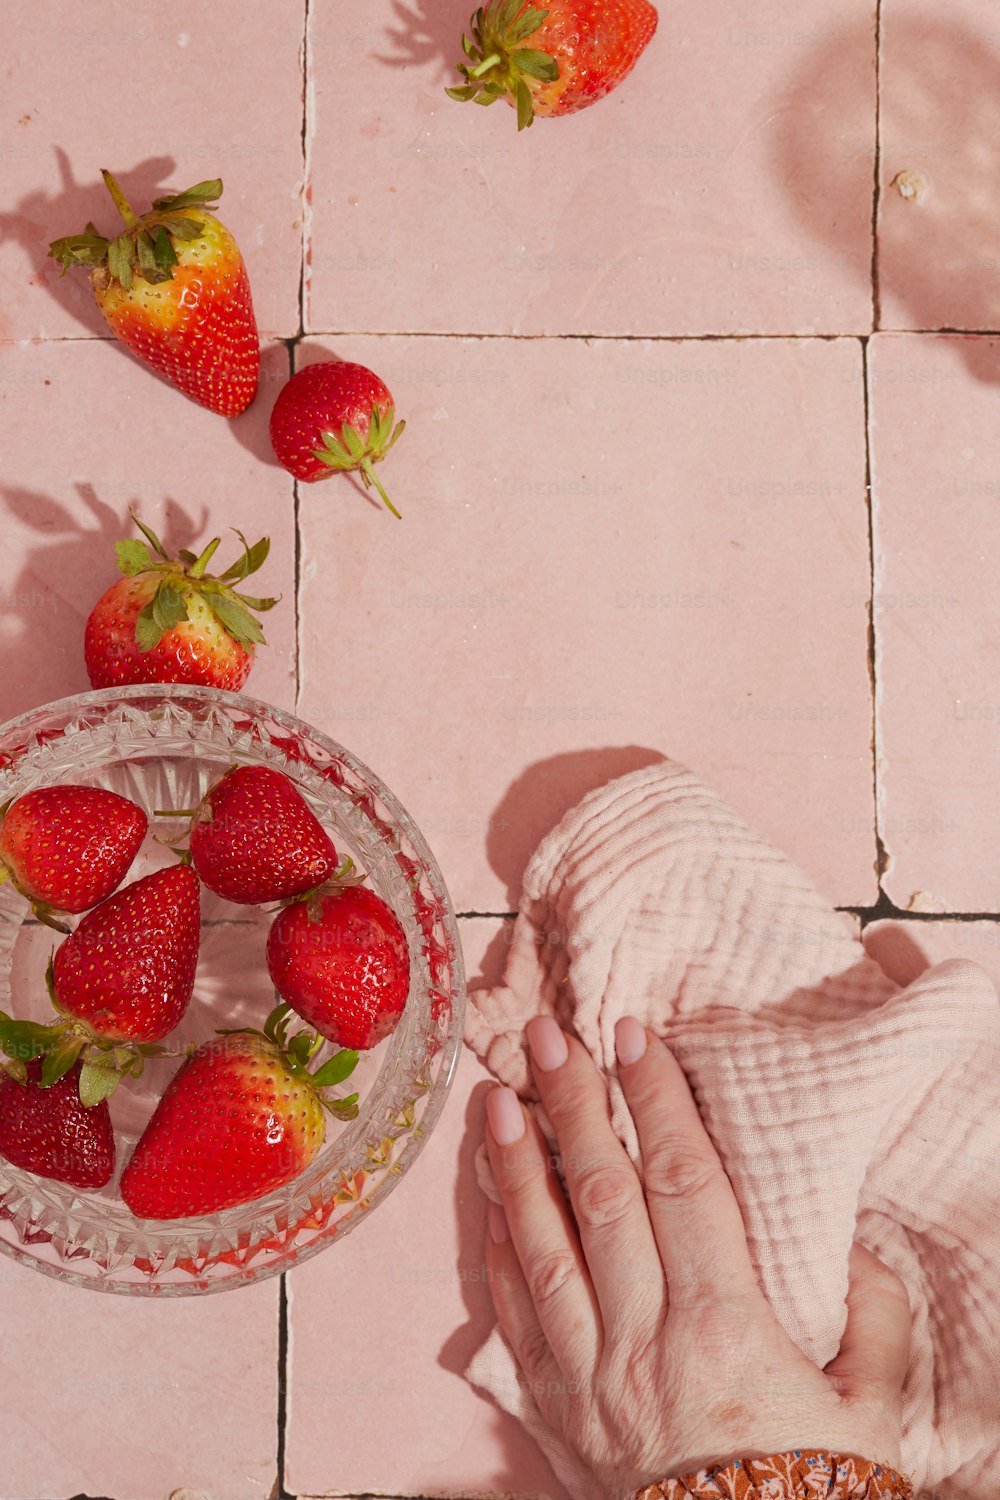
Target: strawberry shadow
x,y
427,34
939,210
44,607
540,797
41,217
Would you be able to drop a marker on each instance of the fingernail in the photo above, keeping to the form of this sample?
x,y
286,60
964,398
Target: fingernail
x,y
630,1041
506,1118
548,1045
496,1221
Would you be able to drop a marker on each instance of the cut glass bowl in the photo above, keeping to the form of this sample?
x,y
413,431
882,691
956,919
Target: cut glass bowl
x,y
163,746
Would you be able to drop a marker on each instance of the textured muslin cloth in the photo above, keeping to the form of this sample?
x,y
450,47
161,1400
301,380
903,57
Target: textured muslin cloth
x,y
841,1105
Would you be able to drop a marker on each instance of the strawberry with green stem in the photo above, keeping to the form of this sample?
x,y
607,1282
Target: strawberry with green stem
x,y
334,418
243,1115
254,838
169,620
120,983
340,959
552,61
173,288
65,848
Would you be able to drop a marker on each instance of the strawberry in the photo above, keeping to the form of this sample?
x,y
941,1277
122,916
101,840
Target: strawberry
x,y
254,838
68,847
127,971
334,417
339,959
553,61
48,1131
242,1116
173,288
168,620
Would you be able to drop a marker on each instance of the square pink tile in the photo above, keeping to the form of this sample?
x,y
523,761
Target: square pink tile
x,y
87,433
163,99
135,1398
725,187
936,480
608,552
382,1325
939,218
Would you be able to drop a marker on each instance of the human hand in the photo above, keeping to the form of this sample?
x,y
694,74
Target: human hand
x,y
634,1311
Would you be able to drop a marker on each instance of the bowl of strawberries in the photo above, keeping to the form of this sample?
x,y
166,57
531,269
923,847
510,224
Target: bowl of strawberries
x,y
231,990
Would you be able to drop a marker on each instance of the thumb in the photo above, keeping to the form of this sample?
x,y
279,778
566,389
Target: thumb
x,y
875,1348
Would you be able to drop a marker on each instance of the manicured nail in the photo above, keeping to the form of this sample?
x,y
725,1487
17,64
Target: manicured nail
x,y
548,1045
630,1041
496,1220
506,1117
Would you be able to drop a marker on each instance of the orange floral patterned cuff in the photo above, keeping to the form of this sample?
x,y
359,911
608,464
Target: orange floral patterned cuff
x,y
802,1474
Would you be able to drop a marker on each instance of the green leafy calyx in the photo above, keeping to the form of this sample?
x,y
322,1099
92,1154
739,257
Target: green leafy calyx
x,y
297,1054
347,450
146,249
499,63
182,578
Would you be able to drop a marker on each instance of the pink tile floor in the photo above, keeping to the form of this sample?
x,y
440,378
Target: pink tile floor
x,y
699,384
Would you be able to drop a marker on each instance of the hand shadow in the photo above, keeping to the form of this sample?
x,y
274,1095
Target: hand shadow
x,y
41,217
44,609
428,34
939,222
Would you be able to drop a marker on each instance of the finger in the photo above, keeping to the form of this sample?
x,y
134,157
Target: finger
x,y
603,1186
516,1312
694,1213
875,1349
543,1235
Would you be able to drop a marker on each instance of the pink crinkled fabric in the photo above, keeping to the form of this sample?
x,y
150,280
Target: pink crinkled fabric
x,y
842,1105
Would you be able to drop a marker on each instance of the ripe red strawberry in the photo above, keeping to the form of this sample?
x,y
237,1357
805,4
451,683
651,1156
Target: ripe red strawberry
x,y
168,620
334,417
340,960
241,1117
49,1131
68,847
173,287
552,61
127,971
254,838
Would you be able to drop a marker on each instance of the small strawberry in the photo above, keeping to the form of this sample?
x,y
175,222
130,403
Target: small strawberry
x,y
334,417
48,1131
173,288
242,1116
254,838
552,61
168,620
67,847
127,971
339,959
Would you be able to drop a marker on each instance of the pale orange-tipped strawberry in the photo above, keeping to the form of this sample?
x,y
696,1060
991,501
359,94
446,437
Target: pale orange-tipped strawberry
x,y
554,60
173,287
169,620
242,1116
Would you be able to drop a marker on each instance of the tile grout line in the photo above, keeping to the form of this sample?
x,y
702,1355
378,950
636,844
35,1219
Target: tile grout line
x,y
881,862
583,338
280,1492
877,185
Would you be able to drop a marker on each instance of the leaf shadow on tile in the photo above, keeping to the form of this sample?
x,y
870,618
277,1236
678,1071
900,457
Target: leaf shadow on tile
x,y
43,608
541,796
41,217
427,34
945,88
